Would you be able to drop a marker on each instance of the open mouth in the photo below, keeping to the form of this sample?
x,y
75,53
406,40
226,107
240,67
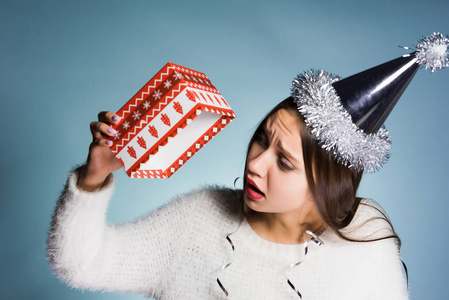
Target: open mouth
x,y
253,191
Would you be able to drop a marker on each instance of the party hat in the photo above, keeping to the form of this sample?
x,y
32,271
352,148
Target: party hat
x,y
346,116
369,96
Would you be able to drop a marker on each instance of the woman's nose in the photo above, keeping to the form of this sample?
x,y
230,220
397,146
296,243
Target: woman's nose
x,y
259,164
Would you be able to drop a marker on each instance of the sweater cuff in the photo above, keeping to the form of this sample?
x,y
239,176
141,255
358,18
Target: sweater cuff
x,y
102,194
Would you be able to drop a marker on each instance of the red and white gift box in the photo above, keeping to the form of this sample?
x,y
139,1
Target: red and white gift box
x,y
164,124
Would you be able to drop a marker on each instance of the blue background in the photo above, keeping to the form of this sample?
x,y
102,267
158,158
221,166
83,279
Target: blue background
x,y
61,62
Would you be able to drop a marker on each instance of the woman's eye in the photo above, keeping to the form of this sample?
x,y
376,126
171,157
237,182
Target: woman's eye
x,y
285,165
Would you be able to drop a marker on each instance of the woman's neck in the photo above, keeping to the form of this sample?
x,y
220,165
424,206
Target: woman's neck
x,y
284,228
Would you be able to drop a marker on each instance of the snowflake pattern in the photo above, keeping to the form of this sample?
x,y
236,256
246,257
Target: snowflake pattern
x,y
136,115
117,135
167,84
126,125
157,94
146,104
178,75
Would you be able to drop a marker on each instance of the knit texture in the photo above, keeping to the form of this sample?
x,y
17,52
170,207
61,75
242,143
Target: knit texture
x,y
177,252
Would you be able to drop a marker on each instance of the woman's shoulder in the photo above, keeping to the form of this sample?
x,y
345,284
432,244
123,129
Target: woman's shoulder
x,y
214,193
211,200
370,222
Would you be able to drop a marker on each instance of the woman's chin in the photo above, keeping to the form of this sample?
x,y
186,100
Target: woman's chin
x,y
253,205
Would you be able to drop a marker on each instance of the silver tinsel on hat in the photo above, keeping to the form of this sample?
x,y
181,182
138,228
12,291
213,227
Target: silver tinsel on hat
x,y
433,52
332,126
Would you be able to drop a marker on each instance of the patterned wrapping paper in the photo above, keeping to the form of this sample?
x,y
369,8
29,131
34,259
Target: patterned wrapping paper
x,y
167,121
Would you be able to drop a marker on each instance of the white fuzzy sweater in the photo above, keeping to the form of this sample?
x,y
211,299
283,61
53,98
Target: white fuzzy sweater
x,y
177,252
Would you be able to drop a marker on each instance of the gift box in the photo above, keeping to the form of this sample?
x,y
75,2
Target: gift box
x,y
164,124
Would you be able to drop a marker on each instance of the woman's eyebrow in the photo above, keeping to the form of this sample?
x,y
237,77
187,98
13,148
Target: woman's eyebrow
x,y
287,153
279,144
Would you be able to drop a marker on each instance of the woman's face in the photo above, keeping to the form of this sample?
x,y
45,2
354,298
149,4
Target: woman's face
x,y
275,176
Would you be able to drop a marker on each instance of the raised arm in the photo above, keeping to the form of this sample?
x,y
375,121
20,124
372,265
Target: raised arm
x,y
88,253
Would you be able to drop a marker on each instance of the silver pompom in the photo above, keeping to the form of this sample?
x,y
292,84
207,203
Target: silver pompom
x,y
433,52
332,126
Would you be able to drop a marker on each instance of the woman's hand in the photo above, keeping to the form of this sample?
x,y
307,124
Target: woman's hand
x,y
100,161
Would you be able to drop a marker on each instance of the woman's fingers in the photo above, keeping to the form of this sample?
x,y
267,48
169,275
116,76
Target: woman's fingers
x,y
101,142
108,117
100,130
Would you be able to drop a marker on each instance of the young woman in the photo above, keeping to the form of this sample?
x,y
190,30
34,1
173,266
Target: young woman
x,y
296,230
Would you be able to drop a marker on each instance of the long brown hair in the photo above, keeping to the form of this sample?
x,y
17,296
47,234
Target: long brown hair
x,y
333,185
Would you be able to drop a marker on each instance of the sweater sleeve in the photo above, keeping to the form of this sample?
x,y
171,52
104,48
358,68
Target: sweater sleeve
x,y
87,253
